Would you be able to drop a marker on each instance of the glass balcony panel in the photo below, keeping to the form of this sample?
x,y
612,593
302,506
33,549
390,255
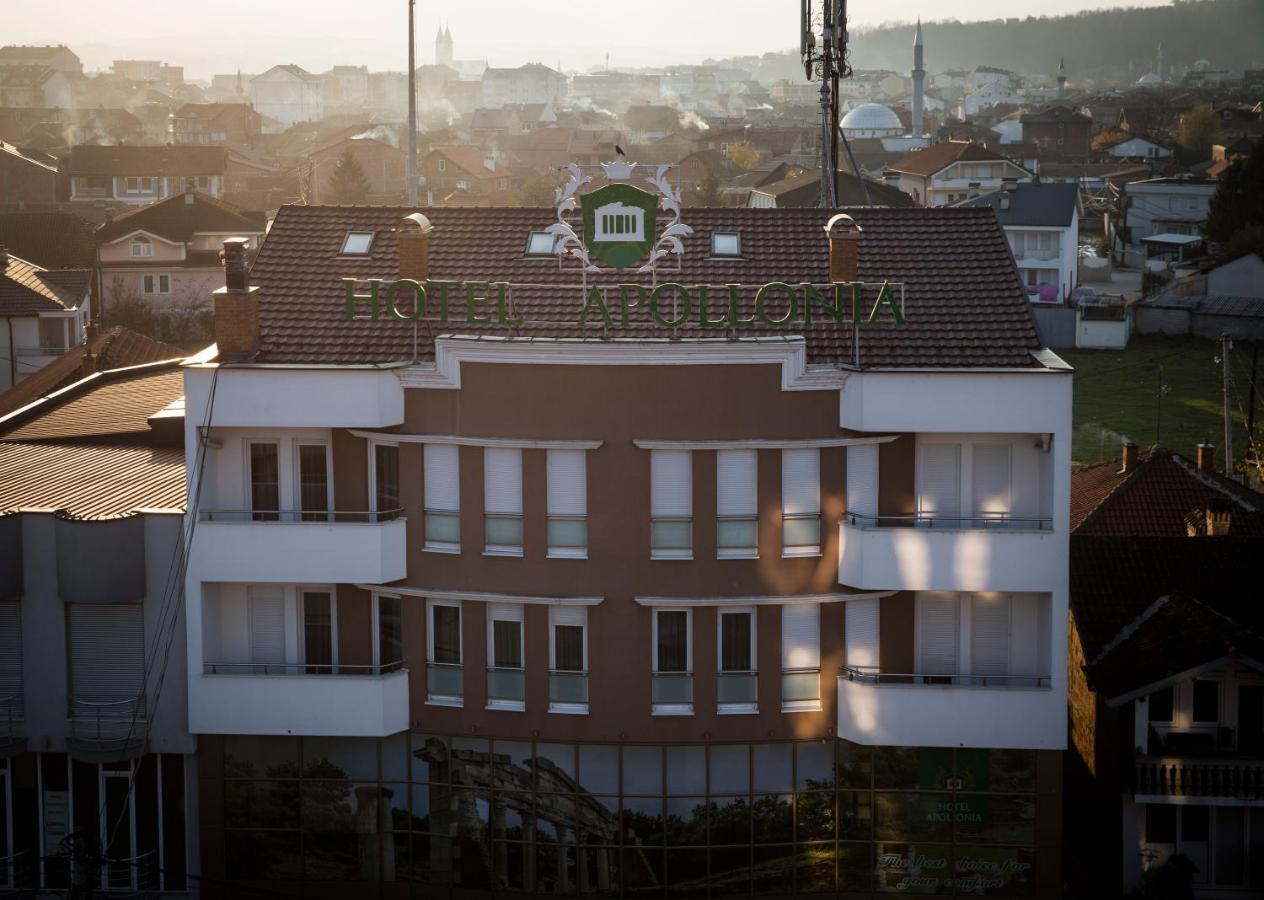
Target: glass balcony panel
x,y
801,687
673,688
568,534
503,531
506,685
568,687
672,534
444,680
736,534
737,687
801,532
443,527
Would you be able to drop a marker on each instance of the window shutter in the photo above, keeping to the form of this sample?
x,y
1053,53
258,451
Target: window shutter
x,y
107,651
267,626
861,632
862,479
504,612
937,634
801,481
991,479
736,485
801,636
1025,635
443,489
11,656
568,483
671,483
989,634
502,480
568,615
939,479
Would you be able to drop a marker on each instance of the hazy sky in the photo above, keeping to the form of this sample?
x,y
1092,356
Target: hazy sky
x,y
223,35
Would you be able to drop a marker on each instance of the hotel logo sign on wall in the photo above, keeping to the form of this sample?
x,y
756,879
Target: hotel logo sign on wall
x,y
620,220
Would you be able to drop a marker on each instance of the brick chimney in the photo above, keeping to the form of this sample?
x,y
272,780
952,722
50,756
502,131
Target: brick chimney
x,y
844,243
1129,458
1206,458
413,235
236,307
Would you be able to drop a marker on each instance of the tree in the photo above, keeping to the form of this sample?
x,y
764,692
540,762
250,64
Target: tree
x,y
537,190
708,193
1108,137
348,184
743,155
1199,129
1235,216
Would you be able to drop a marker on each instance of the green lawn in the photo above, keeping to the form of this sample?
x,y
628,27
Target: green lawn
x,y
1115,396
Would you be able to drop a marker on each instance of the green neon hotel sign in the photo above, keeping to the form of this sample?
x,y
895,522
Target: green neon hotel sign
x,y
778,304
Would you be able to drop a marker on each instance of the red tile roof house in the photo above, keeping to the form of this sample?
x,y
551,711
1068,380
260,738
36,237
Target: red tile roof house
x,y
384,169
168,252
138,175
42,314
952,171
25,179
1165,675
468,170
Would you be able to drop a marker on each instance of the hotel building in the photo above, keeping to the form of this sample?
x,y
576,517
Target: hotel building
x,y
540,595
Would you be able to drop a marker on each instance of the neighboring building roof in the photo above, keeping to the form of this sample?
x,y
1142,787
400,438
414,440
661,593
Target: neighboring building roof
x,y
801,189
145,160
52,240
179,217
1054,114
25,76
114,348
473,161
965,303
290,69
91,481
26,157
940,156
27,289
31,51
1037,205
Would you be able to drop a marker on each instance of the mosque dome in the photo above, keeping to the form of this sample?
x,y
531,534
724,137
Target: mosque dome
x,y
871,120
1150,79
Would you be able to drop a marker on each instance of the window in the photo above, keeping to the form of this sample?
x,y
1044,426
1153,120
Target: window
x,y
992,482
357,243
313,482
737,688
989,635
671,504
568,503
385,481
52,333
319,641
801,502
737,514
1206,701
390,633
443,646
862,480
443,165
462,184
673,657
506,681
156,284
800,657
265,483
1159,705
265,614
939,483
442,500
502,501
568,659
726,244
107,659
540,243
936,635
860,631
141,247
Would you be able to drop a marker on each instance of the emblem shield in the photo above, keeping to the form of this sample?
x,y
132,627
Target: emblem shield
x,y
619,224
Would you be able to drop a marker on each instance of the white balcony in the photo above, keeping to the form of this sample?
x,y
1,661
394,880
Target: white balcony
x,y
923,554
336,548
962,711
279,700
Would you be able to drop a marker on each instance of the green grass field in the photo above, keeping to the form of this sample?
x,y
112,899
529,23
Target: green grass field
x,y
1116,396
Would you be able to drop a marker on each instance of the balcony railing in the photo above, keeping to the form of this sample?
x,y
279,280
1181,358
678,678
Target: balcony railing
x,y
672,692
872,675
506,687
800,689
1036,254
934,520
313,669
568,690
1238,779
362,517
110,727
445,683
737,691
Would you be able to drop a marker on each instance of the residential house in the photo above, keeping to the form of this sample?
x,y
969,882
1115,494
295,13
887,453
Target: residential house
x,y
43,313
234,124
802,188
345,90
952,171
35,87
167,253
646,123
288,94
384,167
53,56
24,179
467,170
1166,685
1138,147
97,750
60,129
532,83
1059,130
988,95
1166,206
51,240
1042,222
139,175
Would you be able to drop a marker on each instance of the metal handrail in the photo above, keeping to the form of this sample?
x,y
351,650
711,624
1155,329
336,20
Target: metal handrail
x,y
314,669
931,520
872,675
806,670
307,517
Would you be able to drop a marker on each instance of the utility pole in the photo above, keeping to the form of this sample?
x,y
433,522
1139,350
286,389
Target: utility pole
x,y
823,47
411,167
1226,344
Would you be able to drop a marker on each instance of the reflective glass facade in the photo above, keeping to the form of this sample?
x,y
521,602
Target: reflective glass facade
x,y
462,816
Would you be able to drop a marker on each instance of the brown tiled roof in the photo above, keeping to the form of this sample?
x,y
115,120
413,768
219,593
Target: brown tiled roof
x,y
145,160
113,406
1158,498
27,289
939,156
797,190
25,76
52,240
178,220
964,303
114,348
89,481
473,161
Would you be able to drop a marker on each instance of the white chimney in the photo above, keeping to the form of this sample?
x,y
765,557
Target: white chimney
x,y
490,163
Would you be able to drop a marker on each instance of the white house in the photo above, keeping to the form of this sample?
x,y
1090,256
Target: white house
x,y
987,96
42,315
951,172
288,94
1139,147
1176,205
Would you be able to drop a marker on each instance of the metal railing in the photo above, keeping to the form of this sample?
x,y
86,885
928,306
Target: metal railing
x,y
985,521
1043,255
312,669
568,686
117,724
506,684
356,517
132,875
872,675
672,688
1239,779
737,688
800,685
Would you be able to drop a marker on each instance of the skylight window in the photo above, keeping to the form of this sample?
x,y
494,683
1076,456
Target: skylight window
x,y
357,243
540,243
726,244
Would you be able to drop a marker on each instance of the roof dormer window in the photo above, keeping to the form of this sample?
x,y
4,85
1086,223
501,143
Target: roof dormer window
x,y
357,243
726,244
540,244
141,247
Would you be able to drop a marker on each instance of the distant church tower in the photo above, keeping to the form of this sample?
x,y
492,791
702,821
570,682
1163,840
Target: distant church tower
x,y
919,79
1062,78
443,47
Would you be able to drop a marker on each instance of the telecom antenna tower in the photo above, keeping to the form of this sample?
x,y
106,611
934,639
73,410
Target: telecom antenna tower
x,y
823,47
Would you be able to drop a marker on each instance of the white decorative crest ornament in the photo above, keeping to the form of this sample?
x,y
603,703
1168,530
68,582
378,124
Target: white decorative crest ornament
x,y
619,219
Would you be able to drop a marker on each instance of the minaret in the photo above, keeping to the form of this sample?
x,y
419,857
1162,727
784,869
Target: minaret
x,y
1158,60
1062,78
919,78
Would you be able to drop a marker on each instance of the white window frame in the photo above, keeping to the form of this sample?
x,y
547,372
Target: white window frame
x,y
521,621
557,552
685,553
433,699
248,472
300,601
672,709
752,552
296,446
140,247
511,550
448,547
530,253
377,624
155,284
801,705
804,550
753,671
737,251
368,249
568,708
